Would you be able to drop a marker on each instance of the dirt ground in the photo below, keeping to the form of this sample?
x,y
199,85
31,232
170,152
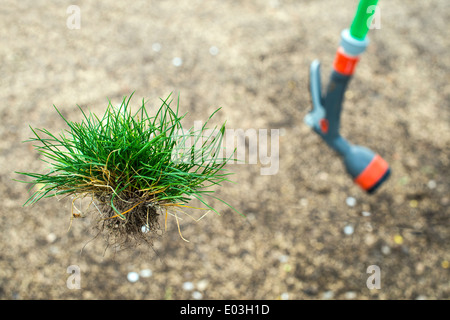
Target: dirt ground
x,y
302,238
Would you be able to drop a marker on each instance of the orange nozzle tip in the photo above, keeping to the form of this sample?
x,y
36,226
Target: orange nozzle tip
x,y
374,174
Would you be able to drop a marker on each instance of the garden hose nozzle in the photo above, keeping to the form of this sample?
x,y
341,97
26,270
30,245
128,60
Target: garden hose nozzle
x,y
368,169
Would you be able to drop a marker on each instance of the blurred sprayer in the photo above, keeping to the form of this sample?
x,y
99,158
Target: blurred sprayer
x,y
367,168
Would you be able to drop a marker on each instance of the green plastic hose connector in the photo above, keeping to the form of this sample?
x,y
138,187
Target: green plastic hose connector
x,y
363,19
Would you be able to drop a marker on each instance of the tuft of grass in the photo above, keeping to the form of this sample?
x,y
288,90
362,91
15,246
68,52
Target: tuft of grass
x,y
131,165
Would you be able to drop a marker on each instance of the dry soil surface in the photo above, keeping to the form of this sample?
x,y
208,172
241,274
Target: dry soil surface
x,y
309,232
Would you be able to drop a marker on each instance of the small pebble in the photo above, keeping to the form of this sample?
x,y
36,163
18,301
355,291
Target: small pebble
x,y
328,295
283,258
284,296
370,239
156,47
431,184
287,267
398,239
413,203
403,180
445,264
51,237
323,176
202,284
348,230
350,295
304,202
54,250
146,273
213,50
421,297
39,186
385,249
349,94
188,286
177,62
197,295
366,214
420,267
145,229
133,276
274,3
350,201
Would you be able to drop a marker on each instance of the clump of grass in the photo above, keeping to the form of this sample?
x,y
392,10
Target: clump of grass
x,y
125,162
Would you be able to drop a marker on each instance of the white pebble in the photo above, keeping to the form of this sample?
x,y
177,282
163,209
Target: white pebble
x,y
283,258
51,237
54,250
366,214
348,230
284,296
202,284
274,3
133,276
431,184
177,61
350,295
350,201
370,239
213,50
385,249
323,176
146,273
197,295
328,295
145,229
156,47
188,286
